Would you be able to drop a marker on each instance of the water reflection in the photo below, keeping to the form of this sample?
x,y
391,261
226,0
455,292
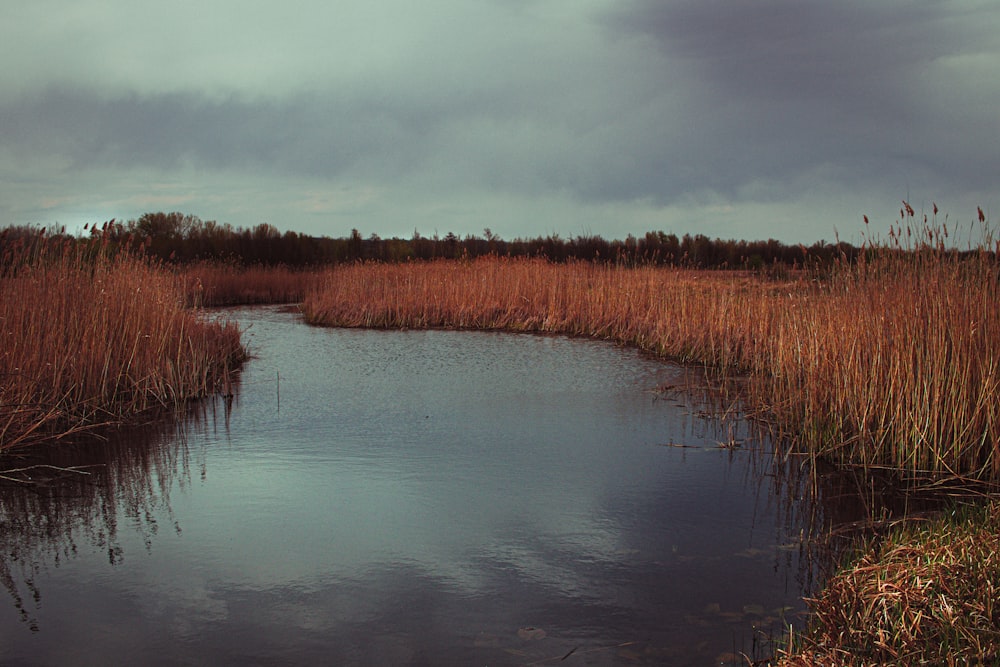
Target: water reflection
x,y
382,497
75,496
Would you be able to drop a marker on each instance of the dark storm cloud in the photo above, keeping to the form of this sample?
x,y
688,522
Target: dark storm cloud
x,y
500,138
781,86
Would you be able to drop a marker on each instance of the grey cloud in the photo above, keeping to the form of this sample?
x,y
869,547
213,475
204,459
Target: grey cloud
x,y
642,104
861,54
783,86
506,137
301,134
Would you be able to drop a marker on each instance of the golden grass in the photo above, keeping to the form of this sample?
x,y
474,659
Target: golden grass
x,y
675,312
895,363
891,362
90,338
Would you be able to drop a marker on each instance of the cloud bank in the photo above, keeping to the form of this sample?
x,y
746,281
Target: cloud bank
x,y
774,119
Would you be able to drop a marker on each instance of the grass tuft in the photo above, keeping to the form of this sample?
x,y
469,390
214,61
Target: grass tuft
x,y
927,594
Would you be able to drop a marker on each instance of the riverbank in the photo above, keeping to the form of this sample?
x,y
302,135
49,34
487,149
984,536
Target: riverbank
x,y
95,336
889,362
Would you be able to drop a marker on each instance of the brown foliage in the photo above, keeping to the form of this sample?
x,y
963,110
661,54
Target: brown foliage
x,y
218,284
927,595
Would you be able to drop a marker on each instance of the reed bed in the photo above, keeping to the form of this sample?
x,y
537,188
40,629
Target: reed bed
x,y
92,336
209,284
679,313
893,361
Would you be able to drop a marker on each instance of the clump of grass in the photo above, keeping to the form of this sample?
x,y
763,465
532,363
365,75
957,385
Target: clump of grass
x,y
926,594
91,335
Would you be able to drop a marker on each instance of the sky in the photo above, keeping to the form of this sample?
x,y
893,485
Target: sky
x,y
785,119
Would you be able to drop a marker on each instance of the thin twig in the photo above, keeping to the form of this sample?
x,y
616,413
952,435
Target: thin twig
x,y
560,658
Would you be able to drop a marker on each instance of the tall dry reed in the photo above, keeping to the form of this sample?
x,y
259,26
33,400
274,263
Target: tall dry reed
x,y
219,284
682,314
892,361
92,336
895,363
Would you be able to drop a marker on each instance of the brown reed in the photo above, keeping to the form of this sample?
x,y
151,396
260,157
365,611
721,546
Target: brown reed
x,y
630,305
92,336
893,361
208,284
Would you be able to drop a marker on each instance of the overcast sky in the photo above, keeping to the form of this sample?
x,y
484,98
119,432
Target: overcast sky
x,y
785,119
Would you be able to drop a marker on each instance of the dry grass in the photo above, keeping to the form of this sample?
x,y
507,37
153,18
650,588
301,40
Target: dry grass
x,y
89,339
895,363
684,314
926,595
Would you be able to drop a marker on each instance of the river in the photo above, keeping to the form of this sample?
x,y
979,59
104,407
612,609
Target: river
x,y
411,498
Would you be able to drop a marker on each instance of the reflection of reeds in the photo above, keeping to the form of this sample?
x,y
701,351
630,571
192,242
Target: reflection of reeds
x,y
92,336
890,362
75,497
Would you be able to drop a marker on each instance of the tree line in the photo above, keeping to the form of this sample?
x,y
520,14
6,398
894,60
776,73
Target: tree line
x,y
183,238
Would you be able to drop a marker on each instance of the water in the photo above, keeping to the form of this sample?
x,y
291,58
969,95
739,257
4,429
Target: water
x,y
414,497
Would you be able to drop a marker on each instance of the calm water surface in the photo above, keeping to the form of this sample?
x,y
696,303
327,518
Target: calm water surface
x,y
416,497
